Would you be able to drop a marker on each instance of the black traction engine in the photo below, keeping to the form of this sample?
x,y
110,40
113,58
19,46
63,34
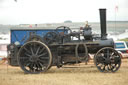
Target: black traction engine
x,y
63,46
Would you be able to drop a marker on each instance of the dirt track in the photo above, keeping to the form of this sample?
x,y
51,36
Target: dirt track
x,y
75,75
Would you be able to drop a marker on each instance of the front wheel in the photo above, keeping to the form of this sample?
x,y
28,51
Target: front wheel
x,y
34,57
107,59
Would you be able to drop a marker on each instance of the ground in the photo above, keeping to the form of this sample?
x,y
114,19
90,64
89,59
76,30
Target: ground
x,y
75,75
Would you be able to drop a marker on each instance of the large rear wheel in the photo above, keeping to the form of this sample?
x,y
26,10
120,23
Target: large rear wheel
x,y
34,57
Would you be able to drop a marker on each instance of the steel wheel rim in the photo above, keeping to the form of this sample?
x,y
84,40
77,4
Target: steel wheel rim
x,y
34,60
112,64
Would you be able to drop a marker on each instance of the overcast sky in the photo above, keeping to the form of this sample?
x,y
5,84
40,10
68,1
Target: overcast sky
x,y
53,11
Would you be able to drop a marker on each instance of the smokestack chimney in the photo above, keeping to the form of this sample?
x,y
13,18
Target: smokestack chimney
x,y
103,23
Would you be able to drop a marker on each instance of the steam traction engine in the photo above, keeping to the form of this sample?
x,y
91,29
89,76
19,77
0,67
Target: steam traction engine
x,y
36,50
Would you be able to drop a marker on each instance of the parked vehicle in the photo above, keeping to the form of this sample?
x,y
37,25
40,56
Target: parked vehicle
x,y
122,48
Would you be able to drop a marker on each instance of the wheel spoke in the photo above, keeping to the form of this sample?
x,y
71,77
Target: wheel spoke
x,y
28,55
108,67
44,58
24,57
32,51
38,66
104,67
42,66
37,50
27,50
43,63
42,50
114,67
34,66
42,54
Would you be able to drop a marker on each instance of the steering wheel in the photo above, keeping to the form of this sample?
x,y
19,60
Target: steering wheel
x,y
64,29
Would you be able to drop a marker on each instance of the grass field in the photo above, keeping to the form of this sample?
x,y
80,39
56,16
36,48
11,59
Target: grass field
x,y
75,75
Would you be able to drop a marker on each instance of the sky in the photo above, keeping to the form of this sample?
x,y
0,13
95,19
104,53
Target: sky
x,y
56,11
